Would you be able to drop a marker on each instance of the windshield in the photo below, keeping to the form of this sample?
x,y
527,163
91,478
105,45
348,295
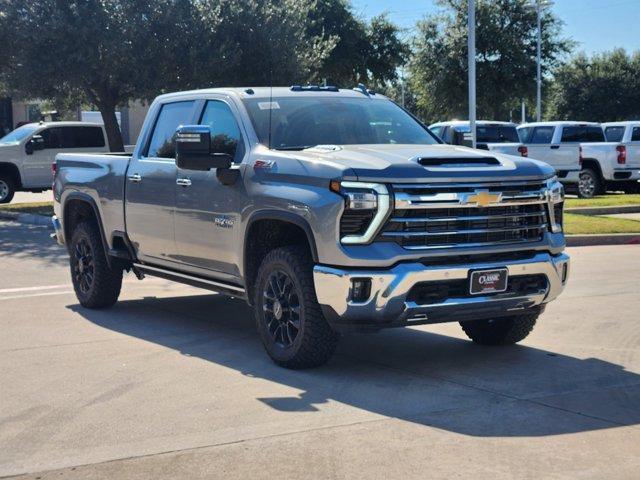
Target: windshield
x,y
16,136
303,122
492,133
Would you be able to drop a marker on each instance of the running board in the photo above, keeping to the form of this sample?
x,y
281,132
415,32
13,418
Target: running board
x,y
216,286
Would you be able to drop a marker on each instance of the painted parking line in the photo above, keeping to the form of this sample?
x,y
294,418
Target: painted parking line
x,y
31,289
29,295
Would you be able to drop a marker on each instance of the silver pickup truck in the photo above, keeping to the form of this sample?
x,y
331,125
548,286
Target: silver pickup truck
x,y
327,210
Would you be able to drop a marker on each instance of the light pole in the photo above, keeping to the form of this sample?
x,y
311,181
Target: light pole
x,y
471,25
539,6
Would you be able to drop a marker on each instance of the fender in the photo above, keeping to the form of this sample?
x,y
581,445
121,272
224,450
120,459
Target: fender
x,y
285,217
83,197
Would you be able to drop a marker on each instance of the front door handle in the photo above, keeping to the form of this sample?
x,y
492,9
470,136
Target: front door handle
x,y
183,182
555,147
135,178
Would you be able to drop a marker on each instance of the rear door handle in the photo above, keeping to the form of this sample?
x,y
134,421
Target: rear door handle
x,y
135,178
555,147
183,182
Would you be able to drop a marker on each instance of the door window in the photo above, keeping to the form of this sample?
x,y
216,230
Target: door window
x,y
635,134
72,137
542,135
225,133
582,133
171,116
614,134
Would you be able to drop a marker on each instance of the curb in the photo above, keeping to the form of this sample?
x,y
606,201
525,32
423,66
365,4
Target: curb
x,y
26,218
606,239
604,210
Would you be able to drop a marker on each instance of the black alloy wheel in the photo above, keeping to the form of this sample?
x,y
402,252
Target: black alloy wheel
x,y
281,305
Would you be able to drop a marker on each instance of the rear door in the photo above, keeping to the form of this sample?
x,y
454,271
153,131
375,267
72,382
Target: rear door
x,y
633,147
150,187
61,139
207,212
540,146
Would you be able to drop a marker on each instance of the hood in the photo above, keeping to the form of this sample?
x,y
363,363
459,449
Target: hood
x,y
426,163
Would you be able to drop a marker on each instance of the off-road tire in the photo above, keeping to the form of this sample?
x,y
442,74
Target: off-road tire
x,y
7,188
501,331
104,288
590,184
315,341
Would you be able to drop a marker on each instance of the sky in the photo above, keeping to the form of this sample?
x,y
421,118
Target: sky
x,y
597,25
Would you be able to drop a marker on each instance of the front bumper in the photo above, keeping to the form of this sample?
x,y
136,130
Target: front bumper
x,y
388,304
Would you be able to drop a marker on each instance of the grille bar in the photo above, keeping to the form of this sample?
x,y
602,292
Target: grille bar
x,y
463,232
465,218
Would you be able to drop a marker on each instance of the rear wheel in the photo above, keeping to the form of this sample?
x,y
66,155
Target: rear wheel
x,y
7,189
501,331
589,184
96,284
293,330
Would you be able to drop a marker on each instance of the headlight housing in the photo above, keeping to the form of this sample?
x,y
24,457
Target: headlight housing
x,y
555,203
366,207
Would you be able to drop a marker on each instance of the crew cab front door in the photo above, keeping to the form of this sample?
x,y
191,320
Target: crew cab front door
x,y
150,187
207,216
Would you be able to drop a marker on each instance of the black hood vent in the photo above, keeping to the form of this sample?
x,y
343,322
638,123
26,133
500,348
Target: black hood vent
x,y
458,161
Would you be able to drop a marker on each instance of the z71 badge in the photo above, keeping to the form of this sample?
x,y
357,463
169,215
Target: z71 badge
x,y
224,221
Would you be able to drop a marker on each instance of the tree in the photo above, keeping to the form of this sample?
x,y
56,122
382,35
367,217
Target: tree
x,y
603,88
111,51
367,52
505,59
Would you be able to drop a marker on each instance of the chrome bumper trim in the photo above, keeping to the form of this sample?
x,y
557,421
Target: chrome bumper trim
x,y
387,304
57,228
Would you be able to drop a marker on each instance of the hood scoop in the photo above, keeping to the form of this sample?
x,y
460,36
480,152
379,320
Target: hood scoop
x,y
458,162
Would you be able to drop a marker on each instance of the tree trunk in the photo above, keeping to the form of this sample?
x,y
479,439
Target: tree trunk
x,y
114,137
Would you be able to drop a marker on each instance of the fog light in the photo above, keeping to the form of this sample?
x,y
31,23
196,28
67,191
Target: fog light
x,y
360,289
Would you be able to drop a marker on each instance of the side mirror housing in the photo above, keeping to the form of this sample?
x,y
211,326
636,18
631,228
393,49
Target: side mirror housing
x,y
193,149
35,143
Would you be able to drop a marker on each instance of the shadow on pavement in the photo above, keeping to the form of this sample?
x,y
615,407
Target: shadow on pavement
x,y
22,241
409,374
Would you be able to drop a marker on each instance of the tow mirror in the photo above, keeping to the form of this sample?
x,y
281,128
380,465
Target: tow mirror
x,y
35,143
193,149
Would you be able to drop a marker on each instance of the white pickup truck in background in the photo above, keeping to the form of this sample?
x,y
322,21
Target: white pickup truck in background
x,y
627,136
501,137
602,165
28,152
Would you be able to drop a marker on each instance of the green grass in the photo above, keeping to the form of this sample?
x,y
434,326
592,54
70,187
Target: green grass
x,y
611,200
588,224
37,208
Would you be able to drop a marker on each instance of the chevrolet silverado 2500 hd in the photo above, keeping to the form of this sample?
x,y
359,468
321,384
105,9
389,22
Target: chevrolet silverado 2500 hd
x,y
603,165
327,210
501,137
627,138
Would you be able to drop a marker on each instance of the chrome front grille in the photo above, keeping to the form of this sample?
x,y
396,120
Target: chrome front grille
x,y
466,215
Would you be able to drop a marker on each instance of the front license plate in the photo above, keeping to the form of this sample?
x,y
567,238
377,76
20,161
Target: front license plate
x,y
488,281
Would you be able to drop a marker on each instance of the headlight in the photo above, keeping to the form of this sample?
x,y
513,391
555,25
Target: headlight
x,y
366,207
555,202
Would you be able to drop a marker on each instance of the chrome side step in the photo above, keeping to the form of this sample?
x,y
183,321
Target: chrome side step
x,y
200,282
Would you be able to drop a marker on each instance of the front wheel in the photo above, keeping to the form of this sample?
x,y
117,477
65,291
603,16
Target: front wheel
x,y
293,330
96,284
501,331
589,184
7,189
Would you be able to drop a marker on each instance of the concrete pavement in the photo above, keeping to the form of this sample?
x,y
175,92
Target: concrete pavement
x,y
173,383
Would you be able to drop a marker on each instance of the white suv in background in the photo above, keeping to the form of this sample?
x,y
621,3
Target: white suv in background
x,y
28,152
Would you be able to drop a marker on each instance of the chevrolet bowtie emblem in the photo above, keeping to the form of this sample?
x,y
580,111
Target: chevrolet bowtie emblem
x,y
481,198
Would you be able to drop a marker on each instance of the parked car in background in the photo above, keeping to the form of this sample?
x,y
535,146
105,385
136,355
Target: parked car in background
x,y
627,134
27,153
499,137
602,165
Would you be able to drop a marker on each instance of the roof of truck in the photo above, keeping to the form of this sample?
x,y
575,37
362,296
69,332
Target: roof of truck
x,y
560,123
621,124
65,124
466,122
267,92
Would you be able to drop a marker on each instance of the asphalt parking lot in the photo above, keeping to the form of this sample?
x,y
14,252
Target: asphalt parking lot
x,y
173,383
